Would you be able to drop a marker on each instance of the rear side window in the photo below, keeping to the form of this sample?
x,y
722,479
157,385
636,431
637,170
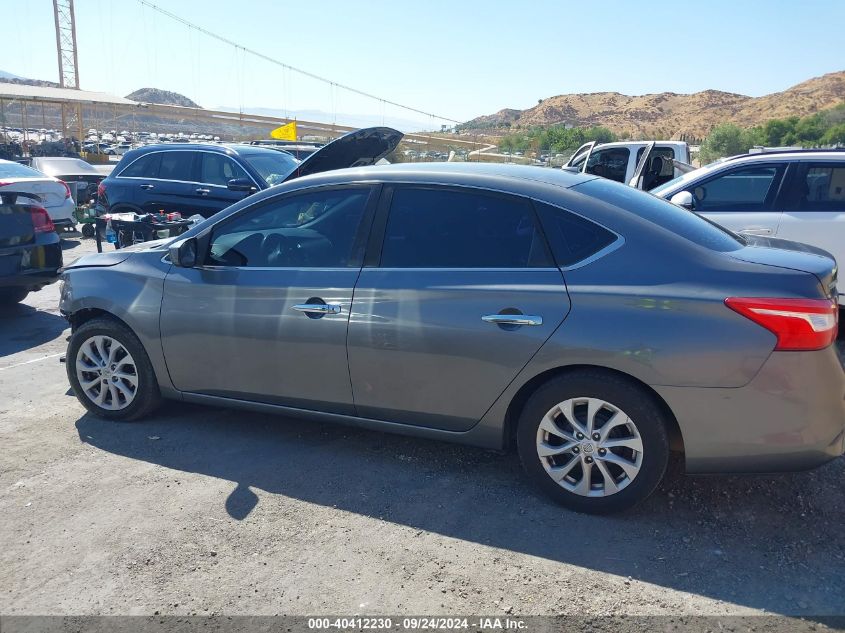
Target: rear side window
x,y
744,189
144,167
573,238
820,188
449,228
683,223
176,166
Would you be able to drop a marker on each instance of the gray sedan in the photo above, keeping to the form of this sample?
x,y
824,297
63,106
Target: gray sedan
x,y
593,326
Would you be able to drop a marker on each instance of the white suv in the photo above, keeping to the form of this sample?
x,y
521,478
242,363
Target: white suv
x,y
794,195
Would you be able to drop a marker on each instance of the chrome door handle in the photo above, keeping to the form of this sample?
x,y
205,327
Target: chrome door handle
x,y
512,319
756,231
318,308
203,191
147,186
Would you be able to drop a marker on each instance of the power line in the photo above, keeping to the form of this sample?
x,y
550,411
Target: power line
x,y
288,66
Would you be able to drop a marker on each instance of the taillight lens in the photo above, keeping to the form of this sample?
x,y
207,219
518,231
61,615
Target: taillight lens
x,y
41,221
799,324
67,189
101,190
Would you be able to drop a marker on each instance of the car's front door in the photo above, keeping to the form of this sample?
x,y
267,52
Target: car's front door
x,y
463,294
264,316
214,171
814,204
742,199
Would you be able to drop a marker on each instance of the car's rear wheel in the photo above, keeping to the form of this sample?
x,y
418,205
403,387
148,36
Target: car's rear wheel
x,y
594,441
10,296
88,230
110,372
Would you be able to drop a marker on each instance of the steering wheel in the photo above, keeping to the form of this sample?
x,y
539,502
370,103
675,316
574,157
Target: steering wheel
x,y
277,250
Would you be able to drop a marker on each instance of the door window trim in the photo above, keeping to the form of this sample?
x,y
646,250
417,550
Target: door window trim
x,y
189,182
378,234
359,244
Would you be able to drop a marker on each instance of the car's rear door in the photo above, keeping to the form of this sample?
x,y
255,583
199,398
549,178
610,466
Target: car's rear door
x,y
743,198
460,294
264,316
814,206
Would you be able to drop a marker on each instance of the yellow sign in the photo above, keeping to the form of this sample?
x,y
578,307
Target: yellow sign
x,y
286,132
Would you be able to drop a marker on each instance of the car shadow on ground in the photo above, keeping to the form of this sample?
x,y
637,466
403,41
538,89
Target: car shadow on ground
x,y
773,542
25,327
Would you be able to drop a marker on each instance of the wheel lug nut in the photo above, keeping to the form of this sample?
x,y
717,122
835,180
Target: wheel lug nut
x,y
602,451
576,450
596,437
580,436
589,460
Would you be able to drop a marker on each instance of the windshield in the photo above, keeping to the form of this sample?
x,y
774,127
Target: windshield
x,y
272,166
16,170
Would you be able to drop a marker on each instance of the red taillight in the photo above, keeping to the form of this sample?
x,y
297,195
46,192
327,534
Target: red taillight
x,y
41,221
799,324
4,183
101,190
67,189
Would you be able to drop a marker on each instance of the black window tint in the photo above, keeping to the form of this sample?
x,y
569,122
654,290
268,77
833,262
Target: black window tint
x,y
744,189
445,228
609,163
666,152
572,237
176,166
309,230
686,224
217,169
144,167
821,188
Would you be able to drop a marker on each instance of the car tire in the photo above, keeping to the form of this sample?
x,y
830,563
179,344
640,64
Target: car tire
x,y
11,296
88,230
615,454
97,353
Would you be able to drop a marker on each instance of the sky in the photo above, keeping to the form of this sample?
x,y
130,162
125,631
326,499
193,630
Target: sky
x,y
453,59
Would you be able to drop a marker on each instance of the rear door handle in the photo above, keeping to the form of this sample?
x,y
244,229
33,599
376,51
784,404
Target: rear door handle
x,y
512,319
202,191
751,230
147,186
318,308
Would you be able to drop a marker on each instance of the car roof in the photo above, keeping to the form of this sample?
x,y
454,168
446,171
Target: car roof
x,y
788,155
220,148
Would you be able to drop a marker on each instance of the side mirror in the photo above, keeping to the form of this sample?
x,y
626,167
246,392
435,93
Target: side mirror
x,y
241,184
683,199
184,253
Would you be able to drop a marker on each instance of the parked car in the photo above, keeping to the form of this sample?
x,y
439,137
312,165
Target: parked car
x,y
795,195
30,248
203,178
53,194
71,170
595,324
619,161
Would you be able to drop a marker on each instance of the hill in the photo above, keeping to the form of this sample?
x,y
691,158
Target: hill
x,y
668,114
163,97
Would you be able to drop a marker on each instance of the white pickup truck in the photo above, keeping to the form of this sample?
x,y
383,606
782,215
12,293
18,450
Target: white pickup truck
x,y
642,164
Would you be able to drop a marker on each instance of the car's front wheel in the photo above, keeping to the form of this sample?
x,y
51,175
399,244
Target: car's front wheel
x,y
594,441
110,371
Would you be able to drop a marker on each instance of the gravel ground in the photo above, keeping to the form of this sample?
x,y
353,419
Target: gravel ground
x,y
201,510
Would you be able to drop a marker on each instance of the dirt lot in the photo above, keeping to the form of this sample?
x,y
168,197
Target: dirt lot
x,y
200,510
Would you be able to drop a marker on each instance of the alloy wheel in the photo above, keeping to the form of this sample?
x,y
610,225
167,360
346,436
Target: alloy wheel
x,y
589,447
106,373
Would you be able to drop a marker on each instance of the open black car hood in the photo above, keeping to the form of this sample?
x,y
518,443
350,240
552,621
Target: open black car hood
x,y
356,149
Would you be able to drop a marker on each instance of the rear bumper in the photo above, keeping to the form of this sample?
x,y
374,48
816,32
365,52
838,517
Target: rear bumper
x,y
791,416
31,266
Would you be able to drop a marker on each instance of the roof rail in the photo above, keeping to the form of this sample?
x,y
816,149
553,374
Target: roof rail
x,y
765,152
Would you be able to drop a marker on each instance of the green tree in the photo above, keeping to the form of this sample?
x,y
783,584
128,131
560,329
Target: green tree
x,y
723,140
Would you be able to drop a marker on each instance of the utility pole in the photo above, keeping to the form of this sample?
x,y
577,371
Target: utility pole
x,y
68,63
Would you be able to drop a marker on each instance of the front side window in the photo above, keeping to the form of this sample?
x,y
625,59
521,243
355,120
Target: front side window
x,y
743,189
144,167
301,230
609,163
218,169
448,228
821,188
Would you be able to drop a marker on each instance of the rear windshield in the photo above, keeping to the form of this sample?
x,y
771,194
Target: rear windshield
x,y
16,170
686,224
